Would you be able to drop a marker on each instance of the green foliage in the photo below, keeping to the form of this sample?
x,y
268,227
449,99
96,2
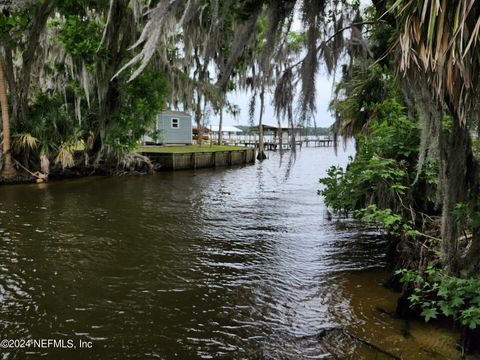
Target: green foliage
x,y
188,149
394,224
117,115
52,122
51,134
80,37
381,171
79,7
338,192
296,40
380,185
393,136
437,293
13,24
143,99
364,87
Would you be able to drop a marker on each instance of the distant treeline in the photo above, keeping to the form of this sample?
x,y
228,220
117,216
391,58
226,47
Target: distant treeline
x,y
311,131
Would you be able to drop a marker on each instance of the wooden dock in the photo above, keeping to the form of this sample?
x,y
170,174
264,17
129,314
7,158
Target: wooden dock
x,y
201,159
275,145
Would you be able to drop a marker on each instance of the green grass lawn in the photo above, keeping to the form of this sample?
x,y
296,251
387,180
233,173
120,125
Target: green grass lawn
x,y
188,148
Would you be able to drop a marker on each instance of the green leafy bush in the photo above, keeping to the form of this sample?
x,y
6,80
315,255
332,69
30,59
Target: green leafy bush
x,y
437,293
143,99
384,168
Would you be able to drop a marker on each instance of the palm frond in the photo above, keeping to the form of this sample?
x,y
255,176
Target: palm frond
x,y
65,156
25,142
440,38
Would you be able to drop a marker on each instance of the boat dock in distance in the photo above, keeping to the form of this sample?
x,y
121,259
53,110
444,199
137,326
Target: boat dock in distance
x,y
275,145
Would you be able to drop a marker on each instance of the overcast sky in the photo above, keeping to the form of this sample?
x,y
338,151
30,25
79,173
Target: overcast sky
x,y
324,93
242,99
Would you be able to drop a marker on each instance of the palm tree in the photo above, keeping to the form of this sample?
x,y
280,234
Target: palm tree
x,y
440,63
8,169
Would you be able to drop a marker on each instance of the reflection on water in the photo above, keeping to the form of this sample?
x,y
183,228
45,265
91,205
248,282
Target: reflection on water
x,y
214,263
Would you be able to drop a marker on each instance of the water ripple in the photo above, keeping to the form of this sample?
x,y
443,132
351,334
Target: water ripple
x,y
219,263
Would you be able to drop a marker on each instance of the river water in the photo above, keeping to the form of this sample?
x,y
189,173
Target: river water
x,y
227,263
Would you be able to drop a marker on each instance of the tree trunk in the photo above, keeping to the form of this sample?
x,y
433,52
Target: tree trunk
x,y
200,73
220,124
280,136
261,149
118,39
198,119
43,10
10,72
293,142
455,190
8,169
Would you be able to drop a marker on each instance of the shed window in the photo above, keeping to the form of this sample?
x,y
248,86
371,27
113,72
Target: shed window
x,y
175,123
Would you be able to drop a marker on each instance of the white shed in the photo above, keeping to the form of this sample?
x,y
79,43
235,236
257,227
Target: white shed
x,y
172,127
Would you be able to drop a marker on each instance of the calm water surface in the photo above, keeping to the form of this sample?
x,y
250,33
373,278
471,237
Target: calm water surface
x,y
231,263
